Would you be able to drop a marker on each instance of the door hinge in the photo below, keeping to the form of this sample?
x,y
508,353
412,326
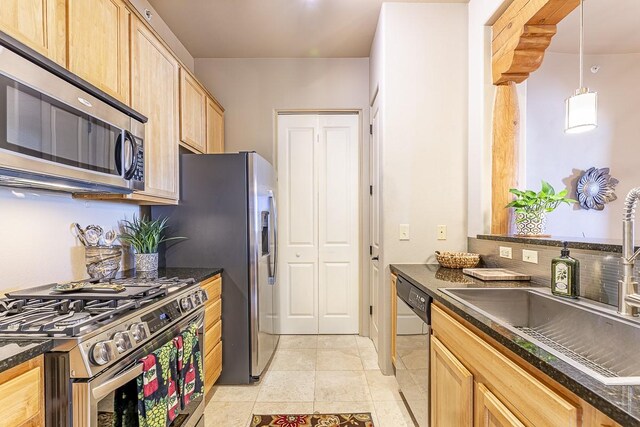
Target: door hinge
x,y
371,190
370,250
371,310
370,129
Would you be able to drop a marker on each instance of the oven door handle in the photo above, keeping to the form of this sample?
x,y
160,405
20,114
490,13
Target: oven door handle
x,y
111,385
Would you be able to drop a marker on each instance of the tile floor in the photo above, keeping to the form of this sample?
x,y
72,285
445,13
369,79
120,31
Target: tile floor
x,y
310,373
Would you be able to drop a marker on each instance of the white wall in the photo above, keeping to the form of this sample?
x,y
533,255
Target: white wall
x,y
556,157
419,62
252,89
424,148
482,13
37,246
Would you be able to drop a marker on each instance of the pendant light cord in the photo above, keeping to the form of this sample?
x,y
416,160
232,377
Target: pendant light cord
x,y
581,44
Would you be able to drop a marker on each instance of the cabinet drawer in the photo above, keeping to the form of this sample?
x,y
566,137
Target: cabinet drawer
x,y
212,336
212,313
21,396
212,366
533,402
213,288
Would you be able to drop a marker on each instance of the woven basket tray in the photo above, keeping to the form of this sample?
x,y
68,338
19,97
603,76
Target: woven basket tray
x,y
457,259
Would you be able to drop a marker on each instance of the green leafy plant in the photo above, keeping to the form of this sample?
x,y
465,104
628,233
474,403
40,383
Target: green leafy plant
x,y
545,200
144,234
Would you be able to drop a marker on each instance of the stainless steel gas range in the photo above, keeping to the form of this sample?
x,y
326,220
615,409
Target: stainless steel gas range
x,y
99,338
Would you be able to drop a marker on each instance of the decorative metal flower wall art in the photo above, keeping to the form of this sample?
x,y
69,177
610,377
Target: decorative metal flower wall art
x,y
596,188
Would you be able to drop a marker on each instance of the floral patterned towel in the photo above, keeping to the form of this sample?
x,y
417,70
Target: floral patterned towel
x,y
313,420
158,402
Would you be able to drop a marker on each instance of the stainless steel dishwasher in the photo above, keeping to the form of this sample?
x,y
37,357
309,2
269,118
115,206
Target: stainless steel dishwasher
x,y
412,349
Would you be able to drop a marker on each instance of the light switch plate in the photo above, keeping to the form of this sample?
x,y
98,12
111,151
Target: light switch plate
x,y
442,232
404,231
505,252
530,256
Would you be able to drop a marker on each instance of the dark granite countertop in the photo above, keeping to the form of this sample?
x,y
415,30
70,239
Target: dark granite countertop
x,y
16,351
199,274
620,403
586,243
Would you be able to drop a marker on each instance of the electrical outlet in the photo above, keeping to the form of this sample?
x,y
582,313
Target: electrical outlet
x,y
530,256
505,252
442,232
404,231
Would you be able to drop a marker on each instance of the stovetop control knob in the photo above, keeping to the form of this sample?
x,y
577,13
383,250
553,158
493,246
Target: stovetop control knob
x,y
185,303
103,352
138,331
196,298
122,341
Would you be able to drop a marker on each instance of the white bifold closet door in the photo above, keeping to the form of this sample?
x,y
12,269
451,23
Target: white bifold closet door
x,y
318,223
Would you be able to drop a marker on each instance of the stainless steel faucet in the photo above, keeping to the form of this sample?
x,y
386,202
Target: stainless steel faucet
x,y
628,298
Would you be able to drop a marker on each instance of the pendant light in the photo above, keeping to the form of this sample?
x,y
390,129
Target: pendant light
x,y
582,106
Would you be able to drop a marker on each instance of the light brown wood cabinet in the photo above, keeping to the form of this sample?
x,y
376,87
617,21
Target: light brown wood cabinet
x,y
108,44
98,39
212,332
491,412
215,127
154,93
193,115
474,379
39,24
451,389
22,394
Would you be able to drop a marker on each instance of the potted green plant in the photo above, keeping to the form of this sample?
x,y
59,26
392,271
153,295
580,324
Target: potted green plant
x,y
531,208
145,235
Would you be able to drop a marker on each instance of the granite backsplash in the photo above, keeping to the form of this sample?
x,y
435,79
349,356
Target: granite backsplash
x,y
599,270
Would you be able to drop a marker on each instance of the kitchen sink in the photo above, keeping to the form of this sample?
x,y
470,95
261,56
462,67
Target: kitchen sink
x,y
589,336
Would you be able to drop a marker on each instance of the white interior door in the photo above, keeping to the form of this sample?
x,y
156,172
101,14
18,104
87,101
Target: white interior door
x,y
318,192
374,220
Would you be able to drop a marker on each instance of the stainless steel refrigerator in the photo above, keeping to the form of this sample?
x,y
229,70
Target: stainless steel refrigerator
x,y
228,213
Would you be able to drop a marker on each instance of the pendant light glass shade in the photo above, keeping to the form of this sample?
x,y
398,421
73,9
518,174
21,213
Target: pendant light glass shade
x,y
582,107
581,111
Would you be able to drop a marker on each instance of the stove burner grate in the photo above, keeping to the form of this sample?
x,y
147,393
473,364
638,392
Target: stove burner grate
x,y
55,314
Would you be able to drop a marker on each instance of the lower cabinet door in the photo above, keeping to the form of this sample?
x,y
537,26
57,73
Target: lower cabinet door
x,y
451,389
491,412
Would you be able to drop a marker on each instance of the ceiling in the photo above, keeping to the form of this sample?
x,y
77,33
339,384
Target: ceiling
x,y
610,26
275,28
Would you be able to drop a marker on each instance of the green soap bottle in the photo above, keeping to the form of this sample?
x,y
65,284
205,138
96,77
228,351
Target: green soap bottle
x,y
565,275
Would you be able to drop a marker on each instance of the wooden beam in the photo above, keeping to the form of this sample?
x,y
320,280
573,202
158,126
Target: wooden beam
x,y
504,161
521,35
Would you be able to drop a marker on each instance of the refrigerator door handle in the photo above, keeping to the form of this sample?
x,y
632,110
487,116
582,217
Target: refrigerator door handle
x,y
273,277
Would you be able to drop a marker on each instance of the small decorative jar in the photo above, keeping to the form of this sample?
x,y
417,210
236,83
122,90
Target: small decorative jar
x,y
103,262
146,262
531,223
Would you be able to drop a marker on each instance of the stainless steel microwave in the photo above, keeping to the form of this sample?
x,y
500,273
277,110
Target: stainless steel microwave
x,y
56,136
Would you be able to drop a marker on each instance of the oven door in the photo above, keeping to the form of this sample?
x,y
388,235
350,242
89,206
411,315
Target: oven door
x,y
412,361
93,400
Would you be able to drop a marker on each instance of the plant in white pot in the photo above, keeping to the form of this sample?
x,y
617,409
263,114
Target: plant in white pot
x,y
145,235
532,208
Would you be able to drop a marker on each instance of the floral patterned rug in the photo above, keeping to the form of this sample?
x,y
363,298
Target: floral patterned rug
x,y
313,420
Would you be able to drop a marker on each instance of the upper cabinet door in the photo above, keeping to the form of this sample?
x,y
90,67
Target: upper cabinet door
x,y
215,128
154,93
491,412
98,34
192,113
39,24
451,389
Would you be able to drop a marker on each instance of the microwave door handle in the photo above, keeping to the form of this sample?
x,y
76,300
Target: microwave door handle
x,y
107,387
133,164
